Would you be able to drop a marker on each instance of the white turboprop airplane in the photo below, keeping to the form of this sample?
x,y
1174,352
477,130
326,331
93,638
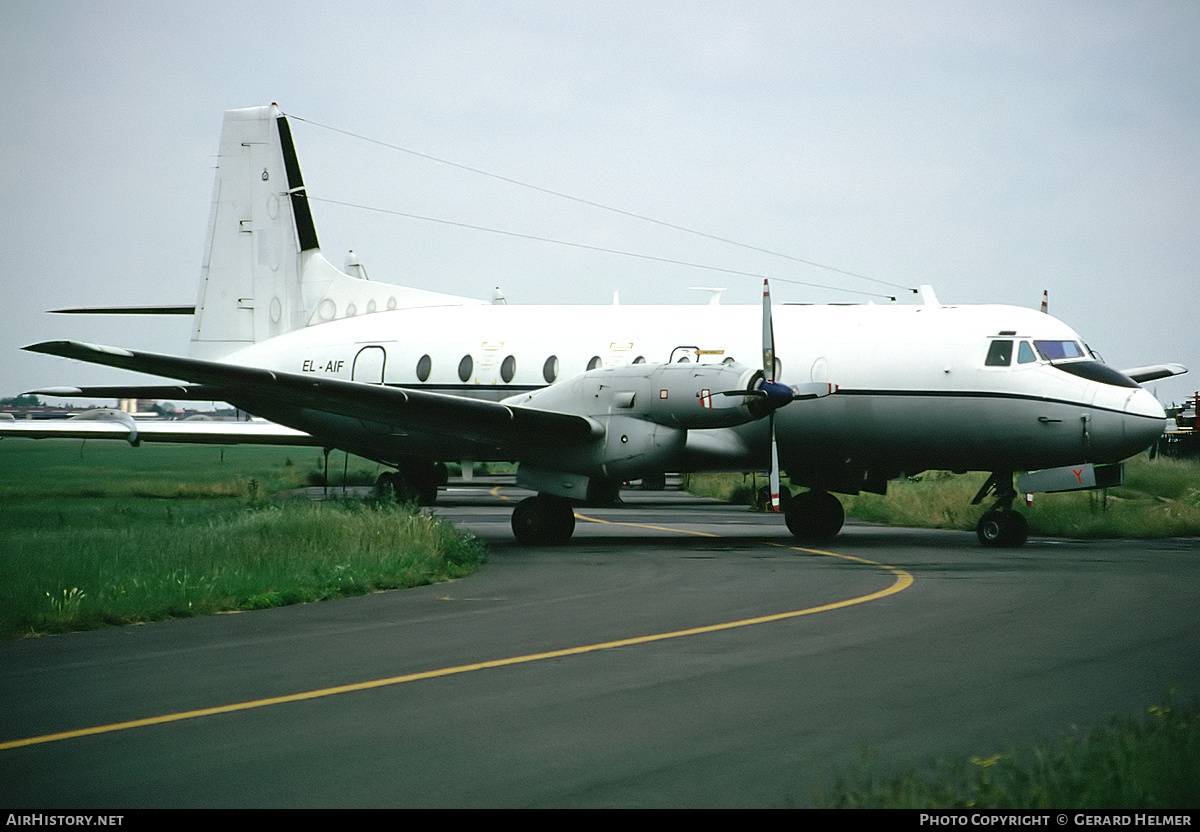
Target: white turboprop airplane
x,y
584,398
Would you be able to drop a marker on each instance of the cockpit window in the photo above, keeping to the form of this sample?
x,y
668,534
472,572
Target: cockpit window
x,y
1058,350
1025,354
999,354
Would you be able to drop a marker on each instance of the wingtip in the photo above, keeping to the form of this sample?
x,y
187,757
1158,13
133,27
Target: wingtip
x,y
73,349
47,347
54,391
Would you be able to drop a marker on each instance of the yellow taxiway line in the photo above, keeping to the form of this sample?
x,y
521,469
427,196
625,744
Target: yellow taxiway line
x,y
902,582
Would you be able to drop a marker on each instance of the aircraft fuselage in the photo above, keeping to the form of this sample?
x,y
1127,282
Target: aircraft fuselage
x,y
915,386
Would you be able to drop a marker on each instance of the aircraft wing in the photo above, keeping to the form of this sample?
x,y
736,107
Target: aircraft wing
x,y
411,409
1155,371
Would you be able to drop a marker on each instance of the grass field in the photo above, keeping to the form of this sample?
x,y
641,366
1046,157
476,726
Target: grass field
x,y
100,534
104,468
1145,762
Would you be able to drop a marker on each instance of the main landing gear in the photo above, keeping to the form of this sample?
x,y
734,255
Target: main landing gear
x,y
811,517
414,481
814,516
543,521
1001,527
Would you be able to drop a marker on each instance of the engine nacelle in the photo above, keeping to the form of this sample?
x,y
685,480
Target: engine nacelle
x,y
685,396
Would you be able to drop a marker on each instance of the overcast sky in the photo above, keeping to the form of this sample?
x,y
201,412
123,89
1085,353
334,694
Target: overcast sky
x,y
991,149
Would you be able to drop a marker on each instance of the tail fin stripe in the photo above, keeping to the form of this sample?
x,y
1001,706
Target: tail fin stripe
x,y
306,230
290,163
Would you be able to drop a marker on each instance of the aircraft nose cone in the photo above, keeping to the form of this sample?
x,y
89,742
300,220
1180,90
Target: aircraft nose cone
x,y
1144,420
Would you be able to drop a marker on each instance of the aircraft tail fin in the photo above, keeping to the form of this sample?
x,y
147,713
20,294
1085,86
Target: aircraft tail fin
x,y
263,273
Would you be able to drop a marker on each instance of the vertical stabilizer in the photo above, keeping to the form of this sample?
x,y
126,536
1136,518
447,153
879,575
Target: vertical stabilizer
x,y
250,283
263,272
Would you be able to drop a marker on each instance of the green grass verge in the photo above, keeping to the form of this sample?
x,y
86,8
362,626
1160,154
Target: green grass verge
x,y
1150,762
732,488
126,535
106,468
1160,498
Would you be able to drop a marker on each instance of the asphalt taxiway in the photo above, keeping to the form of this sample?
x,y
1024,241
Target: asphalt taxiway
x,y
677,652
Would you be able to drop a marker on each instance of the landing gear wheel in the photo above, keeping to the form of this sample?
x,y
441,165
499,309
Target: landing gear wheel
x,y
389,481
543,521
410,487
427,494
654,482
1002,530
603,492
814,517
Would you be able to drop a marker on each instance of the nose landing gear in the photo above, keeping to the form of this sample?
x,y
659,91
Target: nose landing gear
x,y
1001,527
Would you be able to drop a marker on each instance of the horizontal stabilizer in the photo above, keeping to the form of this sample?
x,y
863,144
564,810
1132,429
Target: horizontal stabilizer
x,y
126,310
107,424
184,392
1155,371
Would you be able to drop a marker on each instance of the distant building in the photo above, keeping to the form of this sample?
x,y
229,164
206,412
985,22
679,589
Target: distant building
x,y
1181,438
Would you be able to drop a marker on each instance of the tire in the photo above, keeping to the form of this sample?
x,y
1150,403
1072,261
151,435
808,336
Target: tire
x,y
1002,530
543,521
1018,531
427,494
990,529
814,517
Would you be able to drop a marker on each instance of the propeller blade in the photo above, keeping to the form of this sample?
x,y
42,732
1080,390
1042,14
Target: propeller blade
x,y
812,390
776,395
768,336
774,468
780,392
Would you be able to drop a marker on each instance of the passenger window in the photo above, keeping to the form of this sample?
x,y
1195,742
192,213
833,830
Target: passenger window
x,y
999,354
424,365
508,369
465,368
1025,354
594,363
550,369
